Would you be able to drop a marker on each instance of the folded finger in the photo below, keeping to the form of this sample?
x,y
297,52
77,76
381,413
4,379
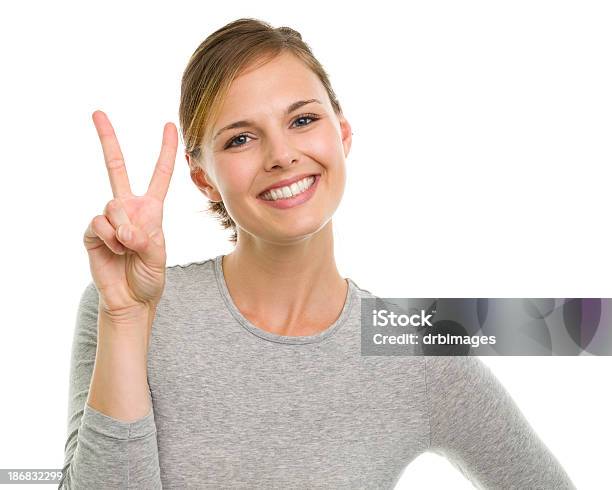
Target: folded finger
x,y
116,214
102,228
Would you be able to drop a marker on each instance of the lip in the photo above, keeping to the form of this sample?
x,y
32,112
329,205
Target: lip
x,y
286,182
296,200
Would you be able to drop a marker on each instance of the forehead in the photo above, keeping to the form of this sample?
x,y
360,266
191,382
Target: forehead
x,y
270,86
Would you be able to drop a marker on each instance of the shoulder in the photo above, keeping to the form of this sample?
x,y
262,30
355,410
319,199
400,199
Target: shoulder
x,y
460,383
190,265
372,300
190,270
189,284
457,370
360,292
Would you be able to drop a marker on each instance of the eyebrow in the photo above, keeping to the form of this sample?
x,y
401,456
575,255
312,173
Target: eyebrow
x,y
244,123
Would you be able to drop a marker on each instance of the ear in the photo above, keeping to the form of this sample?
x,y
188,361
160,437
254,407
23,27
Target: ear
x,y
202,180
347,135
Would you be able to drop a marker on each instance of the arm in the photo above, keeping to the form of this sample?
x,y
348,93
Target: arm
x,y
108,446
478,427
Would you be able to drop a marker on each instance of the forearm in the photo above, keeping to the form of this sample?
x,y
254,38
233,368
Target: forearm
x,y
112,437
119,386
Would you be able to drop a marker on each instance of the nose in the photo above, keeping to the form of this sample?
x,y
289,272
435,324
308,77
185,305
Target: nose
x,y
280,151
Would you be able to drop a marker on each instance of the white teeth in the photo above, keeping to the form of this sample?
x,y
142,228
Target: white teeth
x,y
289,191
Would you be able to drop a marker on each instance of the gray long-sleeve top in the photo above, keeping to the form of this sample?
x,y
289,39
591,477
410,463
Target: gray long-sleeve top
x,y
235,406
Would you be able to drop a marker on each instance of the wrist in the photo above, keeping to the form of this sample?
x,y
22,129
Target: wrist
x,y
127,315
130,325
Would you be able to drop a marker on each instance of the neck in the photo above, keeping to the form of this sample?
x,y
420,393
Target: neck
x,y
291,289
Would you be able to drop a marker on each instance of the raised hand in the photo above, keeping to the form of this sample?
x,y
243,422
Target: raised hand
x,y
125,244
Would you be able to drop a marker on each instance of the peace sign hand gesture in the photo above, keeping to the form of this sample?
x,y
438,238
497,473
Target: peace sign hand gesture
x,y
125,244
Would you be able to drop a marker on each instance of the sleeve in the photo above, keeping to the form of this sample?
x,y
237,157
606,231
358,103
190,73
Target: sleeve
x,y
477,426
101,451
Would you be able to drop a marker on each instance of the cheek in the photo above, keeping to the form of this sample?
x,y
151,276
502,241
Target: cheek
x,y
236,175
326,147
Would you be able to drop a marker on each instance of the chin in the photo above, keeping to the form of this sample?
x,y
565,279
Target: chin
x,y
294,231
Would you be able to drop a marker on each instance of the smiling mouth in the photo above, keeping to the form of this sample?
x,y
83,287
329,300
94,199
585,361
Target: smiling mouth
x,y
289,191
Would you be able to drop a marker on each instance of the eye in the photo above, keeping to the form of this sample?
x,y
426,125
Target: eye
x,y
231,141
302,117
312,117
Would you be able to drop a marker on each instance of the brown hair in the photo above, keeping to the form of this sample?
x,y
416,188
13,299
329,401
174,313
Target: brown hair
x,y
215,64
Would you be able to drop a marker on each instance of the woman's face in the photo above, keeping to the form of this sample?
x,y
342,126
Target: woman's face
x,y
272,142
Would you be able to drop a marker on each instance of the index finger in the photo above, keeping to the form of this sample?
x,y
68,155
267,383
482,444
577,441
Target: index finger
x,y
113,157
160,181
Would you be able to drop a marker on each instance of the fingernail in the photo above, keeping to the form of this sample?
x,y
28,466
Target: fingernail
x,y
125,233
122,215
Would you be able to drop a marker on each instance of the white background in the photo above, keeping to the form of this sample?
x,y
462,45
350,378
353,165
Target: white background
x,y
480,167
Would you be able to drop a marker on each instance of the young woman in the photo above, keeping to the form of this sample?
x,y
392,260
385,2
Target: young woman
x,y
245,370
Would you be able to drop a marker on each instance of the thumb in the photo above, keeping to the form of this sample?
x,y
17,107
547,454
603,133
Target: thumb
x,y
149,248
